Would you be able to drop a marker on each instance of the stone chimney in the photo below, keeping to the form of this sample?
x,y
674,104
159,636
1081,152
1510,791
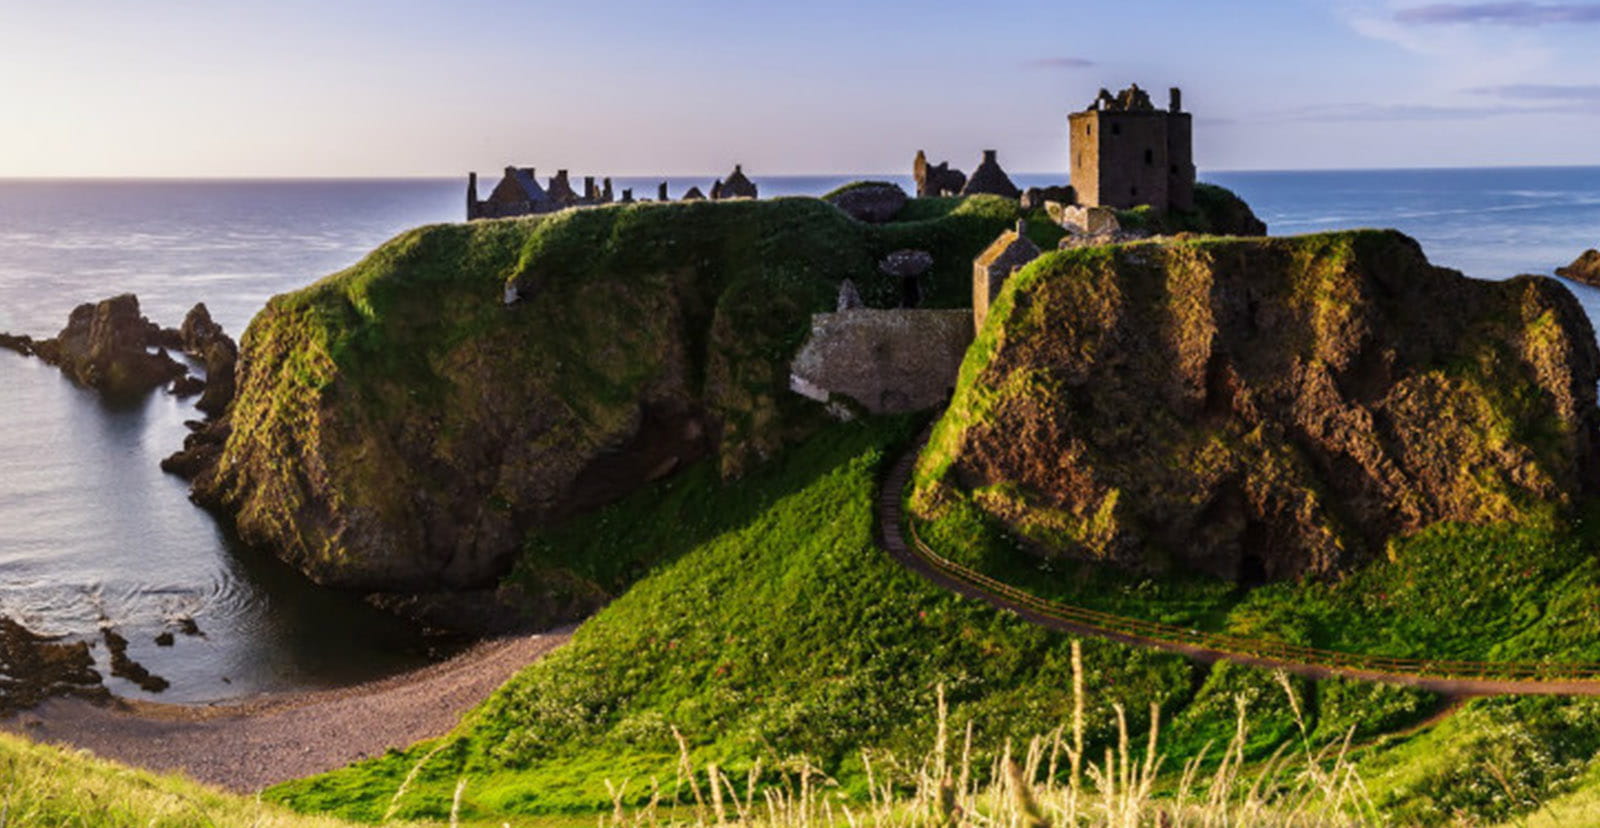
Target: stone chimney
x,y
662,194
1175,100
989,156
472,196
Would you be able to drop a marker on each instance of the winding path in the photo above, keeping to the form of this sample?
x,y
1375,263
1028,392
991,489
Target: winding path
x,y
250,745
1451,678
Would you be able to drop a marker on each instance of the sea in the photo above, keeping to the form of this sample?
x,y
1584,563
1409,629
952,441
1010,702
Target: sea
x,y
93,534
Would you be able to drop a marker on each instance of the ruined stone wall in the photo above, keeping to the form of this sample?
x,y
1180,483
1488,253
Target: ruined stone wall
x,y
890,361
1180,161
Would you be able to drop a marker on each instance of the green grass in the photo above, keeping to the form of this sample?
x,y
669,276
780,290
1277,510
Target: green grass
x,y
1216,210
1488,593
769,627
47,787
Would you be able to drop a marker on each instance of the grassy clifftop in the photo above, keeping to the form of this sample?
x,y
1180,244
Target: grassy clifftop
x,y
398,427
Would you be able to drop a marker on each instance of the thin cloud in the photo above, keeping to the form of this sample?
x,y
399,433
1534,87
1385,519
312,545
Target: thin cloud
x,y
1509,14
1363,112
1058,63
1588,93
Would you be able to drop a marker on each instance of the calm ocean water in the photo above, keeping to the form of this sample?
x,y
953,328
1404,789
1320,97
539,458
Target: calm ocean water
x,y
92,532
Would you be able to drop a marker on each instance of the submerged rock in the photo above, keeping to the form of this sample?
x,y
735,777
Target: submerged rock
x,y
1586,269
124,667
1265,408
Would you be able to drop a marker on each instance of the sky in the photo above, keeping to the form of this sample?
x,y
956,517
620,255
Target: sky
x,y
351,88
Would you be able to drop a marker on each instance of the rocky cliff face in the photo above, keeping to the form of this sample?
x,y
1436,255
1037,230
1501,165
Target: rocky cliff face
x,y
1264,408
400,426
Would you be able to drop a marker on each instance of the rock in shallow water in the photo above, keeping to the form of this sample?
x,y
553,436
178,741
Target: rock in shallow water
x,y
1586,269
106,345
34,668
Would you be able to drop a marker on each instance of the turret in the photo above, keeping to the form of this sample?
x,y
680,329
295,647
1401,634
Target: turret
x,y
1175,100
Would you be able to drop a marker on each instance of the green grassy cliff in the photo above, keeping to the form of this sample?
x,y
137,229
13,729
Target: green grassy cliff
x,y
1261,409
399,427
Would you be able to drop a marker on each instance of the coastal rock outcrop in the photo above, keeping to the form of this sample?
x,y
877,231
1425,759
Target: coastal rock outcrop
x,y
874,202
1585,269
1262,409
106,345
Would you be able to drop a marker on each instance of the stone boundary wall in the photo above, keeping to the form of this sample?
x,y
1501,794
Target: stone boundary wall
x,y
889,361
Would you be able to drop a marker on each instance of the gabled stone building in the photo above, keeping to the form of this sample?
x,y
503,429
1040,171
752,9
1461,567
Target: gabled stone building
x,y
1126,153
518,194
994,266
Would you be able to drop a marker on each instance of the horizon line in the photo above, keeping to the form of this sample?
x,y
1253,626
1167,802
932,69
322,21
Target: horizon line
x,y
671,176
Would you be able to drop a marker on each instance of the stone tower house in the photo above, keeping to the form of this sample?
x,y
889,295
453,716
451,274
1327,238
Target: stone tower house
x,y
1125,152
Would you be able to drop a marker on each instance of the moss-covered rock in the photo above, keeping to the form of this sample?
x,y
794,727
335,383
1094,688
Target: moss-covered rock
x,y
1264,408
399,427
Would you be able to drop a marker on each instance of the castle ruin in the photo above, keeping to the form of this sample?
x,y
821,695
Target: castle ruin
x,y
1126,153
520,194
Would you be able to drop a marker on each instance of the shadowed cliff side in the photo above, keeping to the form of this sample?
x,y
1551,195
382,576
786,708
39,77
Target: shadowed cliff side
x,y
1264,408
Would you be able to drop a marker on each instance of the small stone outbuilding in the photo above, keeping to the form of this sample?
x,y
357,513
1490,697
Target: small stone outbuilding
x,y
736,185
995,265
989,179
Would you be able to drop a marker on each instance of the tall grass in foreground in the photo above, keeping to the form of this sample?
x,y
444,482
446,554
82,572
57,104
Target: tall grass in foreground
x,y
1051,781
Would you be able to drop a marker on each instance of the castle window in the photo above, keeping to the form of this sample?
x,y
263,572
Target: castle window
x,y
1088,129
1149,157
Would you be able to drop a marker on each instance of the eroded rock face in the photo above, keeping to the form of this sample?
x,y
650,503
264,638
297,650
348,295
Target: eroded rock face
x,y
105,346
1265,408
1586,269
873,203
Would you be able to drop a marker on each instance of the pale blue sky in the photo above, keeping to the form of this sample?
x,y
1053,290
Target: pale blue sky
x,y
328,88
